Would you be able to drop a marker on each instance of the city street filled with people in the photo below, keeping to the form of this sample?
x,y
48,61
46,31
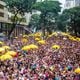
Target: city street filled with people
x,y
30,57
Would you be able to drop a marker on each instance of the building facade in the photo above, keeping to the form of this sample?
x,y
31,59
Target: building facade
x,y
3,14
77,2
71,3
6,23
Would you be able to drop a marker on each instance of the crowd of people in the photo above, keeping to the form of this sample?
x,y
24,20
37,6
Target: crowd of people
x,y
43,63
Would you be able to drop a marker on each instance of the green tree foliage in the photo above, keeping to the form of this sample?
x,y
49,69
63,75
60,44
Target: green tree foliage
x,y
49,10
18,19
61,22
18,7
34,22
72,19
48,6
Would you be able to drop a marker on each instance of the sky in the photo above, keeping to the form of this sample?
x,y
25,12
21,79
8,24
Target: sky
x,y
62,1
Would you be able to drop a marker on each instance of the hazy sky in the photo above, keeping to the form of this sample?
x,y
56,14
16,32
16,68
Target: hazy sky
x,y
62,1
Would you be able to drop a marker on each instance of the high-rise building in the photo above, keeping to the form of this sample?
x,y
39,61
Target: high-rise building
x,y
5,21
69,4
3,12
77,2
5,15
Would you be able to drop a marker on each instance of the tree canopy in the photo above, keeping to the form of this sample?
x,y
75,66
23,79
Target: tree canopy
x,y
49,10
34,22
48,6
18,7
72,18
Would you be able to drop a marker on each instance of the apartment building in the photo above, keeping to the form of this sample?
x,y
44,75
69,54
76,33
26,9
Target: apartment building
x,y
77,2
3,14
6,23
71,3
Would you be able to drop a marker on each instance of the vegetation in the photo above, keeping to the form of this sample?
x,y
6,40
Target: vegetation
x,y
49,19
34,22
74,19
70,20
19,7
49,10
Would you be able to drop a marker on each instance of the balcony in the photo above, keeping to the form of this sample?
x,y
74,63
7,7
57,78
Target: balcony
x,y
2,11
1,14
2,3
1,6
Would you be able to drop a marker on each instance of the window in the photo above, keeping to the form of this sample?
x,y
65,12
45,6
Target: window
x,y
1,6
1,14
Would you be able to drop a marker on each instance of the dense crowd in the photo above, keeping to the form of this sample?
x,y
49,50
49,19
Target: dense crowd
x,y
43,63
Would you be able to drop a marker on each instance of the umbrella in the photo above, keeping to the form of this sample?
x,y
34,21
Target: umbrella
x,y
12,53
78,39
2,49
38,34
72,38
42,42
5,57
6,47
37,39
77,70
26,48
1,42
54,34
24,36
56,47
31,46
24,40
65,34
2,58
30,35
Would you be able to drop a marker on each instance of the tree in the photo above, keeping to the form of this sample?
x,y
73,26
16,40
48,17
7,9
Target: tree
x,y
49,10
19,7
34,22
72,16
62,21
